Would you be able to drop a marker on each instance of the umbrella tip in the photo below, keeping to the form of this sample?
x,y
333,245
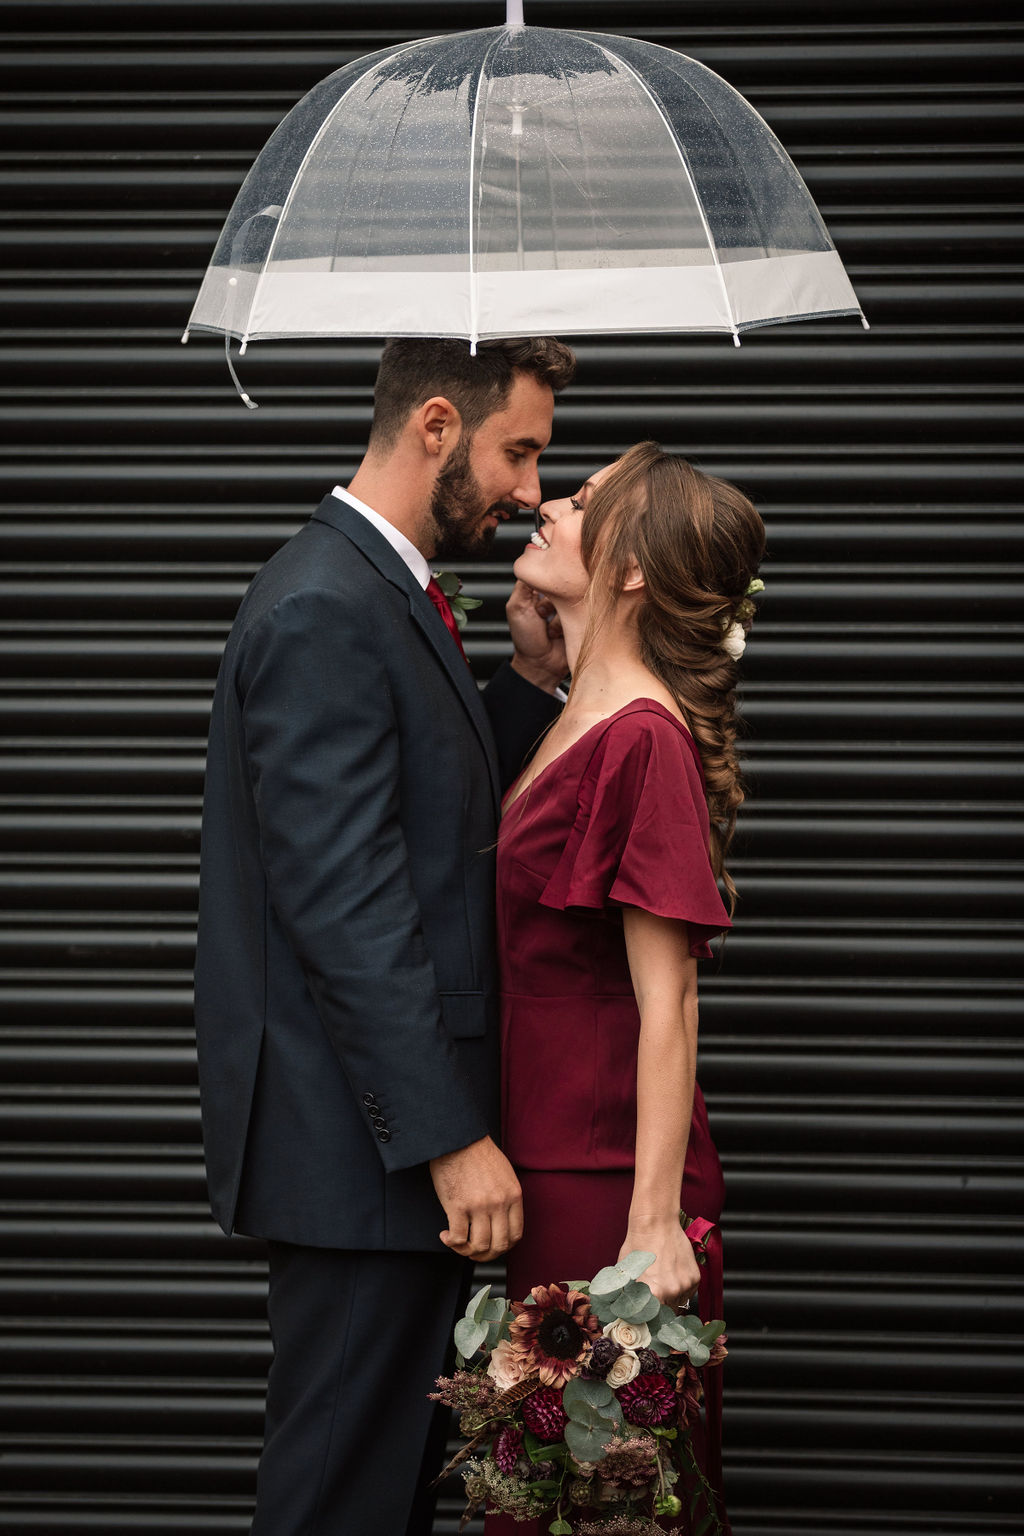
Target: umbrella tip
x,y
184,339
864,321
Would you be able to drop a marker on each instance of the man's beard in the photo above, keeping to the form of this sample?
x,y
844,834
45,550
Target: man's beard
x,y
458,509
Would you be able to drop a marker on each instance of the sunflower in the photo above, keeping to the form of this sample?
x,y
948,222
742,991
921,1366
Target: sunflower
x,y
553,1334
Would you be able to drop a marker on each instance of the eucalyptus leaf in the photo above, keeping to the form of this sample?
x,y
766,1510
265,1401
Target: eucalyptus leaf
x,y
560,1527
712,1331
675,1335
585,1413
493,1335
596,1394
616,1276
603,1308
699,1353
660,1348
636,1262
633,1299
648,1312
587,1444
469,1336
478,1305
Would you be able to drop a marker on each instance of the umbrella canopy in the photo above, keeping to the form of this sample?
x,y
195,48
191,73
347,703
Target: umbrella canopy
x,y
519,181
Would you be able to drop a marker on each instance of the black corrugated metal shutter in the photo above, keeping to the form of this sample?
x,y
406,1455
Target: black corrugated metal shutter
x,y
862,1042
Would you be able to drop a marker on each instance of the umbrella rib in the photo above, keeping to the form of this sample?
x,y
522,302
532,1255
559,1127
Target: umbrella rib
x,y
656,104
473,298
298,176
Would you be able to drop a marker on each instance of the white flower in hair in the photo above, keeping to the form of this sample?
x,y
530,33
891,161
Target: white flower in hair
x,y
734,641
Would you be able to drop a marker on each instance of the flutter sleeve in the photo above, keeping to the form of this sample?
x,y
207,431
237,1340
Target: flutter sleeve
x,y
640,837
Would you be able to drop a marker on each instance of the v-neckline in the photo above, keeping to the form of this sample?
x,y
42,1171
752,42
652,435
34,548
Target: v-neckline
x,y
634,704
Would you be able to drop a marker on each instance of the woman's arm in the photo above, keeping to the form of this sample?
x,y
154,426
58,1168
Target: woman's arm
x,y
664,976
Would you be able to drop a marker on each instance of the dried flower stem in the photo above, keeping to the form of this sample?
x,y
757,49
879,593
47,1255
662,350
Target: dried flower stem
x,y
508,1399
710,1498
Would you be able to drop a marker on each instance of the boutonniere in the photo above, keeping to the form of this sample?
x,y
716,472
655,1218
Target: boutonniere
x,y
461,606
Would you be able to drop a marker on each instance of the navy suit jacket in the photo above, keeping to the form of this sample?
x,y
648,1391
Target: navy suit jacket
x,y
345,978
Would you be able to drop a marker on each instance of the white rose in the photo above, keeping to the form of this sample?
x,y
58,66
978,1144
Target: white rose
x,y
624,1369
504,1367
734,641
629,1335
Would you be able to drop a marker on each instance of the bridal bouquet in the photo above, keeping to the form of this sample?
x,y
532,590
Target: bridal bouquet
x,y
578,1403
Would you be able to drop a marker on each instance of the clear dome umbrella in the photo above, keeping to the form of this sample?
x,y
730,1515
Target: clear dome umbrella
x,y
520,180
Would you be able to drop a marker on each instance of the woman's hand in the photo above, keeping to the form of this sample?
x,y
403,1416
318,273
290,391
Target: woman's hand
x,y
675,1273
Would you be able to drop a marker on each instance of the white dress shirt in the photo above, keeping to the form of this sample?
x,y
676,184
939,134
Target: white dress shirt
x,y
402,546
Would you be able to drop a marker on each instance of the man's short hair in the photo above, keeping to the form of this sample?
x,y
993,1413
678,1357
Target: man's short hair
x,y
414,369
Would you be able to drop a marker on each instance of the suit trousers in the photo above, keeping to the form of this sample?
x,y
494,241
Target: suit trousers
x,y
351,1440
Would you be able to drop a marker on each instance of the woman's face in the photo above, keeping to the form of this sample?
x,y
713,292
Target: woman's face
x,y
551,562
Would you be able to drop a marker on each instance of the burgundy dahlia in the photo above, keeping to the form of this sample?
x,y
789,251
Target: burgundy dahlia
x,y
507,1447
647,1399
544,1414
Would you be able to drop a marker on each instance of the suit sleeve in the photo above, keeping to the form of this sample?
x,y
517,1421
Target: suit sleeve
x,y
321,740
519,714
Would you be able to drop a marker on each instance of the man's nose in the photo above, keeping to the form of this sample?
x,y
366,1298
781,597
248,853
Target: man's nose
x,y
528,489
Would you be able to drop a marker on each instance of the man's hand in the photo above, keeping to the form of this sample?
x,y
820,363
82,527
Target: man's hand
x,y
537,637
482,1200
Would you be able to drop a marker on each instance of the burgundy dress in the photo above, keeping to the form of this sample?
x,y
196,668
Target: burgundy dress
x,y
619,819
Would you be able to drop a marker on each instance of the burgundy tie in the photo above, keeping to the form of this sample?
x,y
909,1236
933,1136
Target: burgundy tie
x,y
444,608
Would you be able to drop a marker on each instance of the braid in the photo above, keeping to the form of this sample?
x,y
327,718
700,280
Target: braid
x,y
698,542
702,680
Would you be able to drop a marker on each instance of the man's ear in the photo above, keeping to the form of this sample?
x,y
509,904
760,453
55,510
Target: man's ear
x,y
437,425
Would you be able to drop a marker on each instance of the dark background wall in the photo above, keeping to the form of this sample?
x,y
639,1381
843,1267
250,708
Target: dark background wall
x,y
862,1042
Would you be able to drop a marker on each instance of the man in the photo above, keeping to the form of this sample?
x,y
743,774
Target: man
x,y
345,977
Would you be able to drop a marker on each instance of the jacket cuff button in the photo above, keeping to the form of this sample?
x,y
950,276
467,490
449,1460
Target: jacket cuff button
x,y
367,1099
383,1135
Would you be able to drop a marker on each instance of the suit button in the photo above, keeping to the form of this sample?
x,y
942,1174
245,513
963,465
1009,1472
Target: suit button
x,y
380,1122
367,1099
383,1135
372,1109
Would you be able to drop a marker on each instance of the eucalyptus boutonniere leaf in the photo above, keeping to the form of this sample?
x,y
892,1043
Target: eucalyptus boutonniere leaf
x,y
461,606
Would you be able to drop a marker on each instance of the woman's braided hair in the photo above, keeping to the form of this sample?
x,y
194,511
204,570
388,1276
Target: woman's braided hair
x,y
698,543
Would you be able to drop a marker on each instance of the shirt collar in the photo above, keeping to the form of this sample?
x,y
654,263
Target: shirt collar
x,y
402,546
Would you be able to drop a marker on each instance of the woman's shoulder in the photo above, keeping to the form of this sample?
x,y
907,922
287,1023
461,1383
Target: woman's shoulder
x,y
642,730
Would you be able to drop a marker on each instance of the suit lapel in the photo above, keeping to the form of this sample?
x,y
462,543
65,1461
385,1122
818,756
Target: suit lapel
x,y
346,520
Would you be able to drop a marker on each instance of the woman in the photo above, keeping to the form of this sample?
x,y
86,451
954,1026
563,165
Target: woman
x,y
607,866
